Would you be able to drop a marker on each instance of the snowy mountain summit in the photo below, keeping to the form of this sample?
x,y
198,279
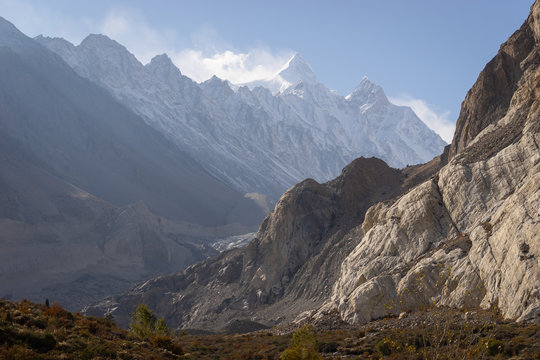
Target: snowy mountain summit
x,y
366,92
364,122
263,136
296,70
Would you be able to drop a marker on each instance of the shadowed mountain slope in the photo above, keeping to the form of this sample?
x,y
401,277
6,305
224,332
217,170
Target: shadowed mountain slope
x,y
87,138
91,198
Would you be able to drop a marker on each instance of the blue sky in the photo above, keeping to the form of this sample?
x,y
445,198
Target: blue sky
x,y
424,53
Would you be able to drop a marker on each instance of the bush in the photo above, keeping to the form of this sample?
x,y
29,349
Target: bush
x,y
303,345
145,324
165,342
38,322
494,347
41,342
97,350
17,352
385,347
56,311
328,347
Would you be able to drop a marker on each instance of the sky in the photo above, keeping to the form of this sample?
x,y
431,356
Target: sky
x,y
424,53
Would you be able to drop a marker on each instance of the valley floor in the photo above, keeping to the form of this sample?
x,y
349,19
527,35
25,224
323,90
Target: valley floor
x,y
32,331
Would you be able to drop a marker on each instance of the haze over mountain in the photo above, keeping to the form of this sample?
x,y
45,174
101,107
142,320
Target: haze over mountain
x,y
91,197
462,230
96,197
253,139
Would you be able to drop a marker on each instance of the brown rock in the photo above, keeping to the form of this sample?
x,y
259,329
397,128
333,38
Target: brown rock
x,y
489,98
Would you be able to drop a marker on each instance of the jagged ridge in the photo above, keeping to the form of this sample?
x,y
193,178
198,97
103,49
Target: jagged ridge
x,y
253,139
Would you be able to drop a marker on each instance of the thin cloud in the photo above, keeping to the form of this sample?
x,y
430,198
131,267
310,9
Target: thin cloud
x,y
199,55
436,121
36,18
238,68
130,28
206,38
206,57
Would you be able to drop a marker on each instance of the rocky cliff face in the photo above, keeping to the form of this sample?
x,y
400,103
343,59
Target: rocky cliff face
x,y
471,235
489,98
377,241
294,259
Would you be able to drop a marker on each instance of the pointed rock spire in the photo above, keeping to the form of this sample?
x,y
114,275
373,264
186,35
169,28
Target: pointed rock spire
x,y
297,70
367,93
162,65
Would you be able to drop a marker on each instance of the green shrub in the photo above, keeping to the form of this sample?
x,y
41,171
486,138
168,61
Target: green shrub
x,y
144,323
303,345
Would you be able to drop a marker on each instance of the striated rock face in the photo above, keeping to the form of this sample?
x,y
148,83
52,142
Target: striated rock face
x,y
470,236
468,239
489,98
377,241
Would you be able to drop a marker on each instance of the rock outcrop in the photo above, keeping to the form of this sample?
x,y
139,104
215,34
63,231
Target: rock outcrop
x,y
471,235
377,241
294,259
489,98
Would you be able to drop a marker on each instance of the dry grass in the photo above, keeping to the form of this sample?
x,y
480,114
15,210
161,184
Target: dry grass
x,y
32,331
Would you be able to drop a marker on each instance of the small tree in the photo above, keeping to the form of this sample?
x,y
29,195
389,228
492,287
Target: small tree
x,y
144,323
303,345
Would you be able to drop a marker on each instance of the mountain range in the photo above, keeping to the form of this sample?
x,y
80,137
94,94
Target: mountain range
x,y
462,230
113,172
261,137
93,199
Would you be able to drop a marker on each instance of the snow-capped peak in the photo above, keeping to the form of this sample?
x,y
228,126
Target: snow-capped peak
x,y
162,68
54,40
110,56
297,70
252,139
161,60
217,83
367,93
214,80
217,88
162,64
101,41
